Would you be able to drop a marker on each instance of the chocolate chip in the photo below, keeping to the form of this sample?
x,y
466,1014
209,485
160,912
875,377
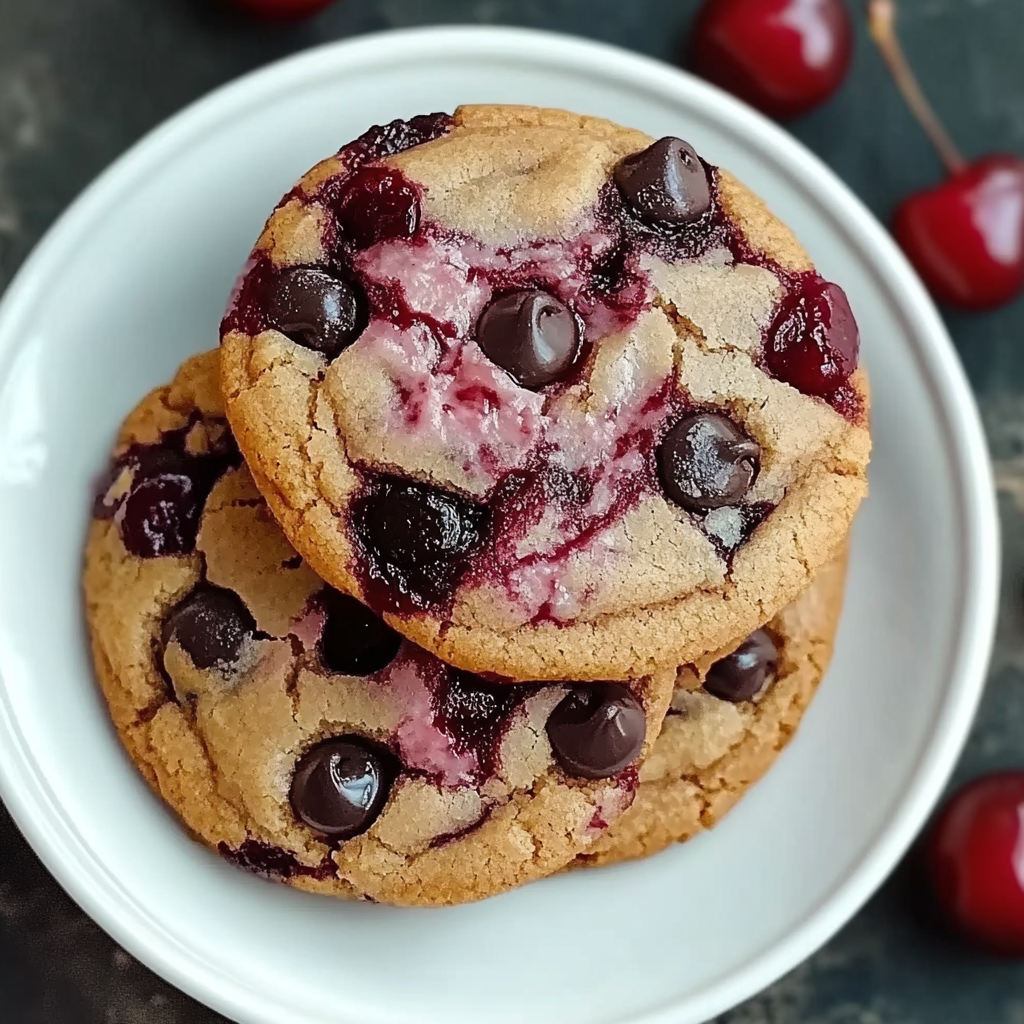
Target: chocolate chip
x,y
314,309
531,334
665,183
341,785
747,671
597,730
414,526
707,462
212,625
354,641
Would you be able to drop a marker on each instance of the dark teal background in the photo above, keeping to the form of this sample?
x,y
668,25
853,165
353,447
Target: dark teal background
x,y
81,80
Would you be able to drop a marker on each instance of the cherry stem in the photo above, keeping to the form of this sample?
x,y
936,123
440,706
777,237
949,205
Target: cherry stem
x,y
882,26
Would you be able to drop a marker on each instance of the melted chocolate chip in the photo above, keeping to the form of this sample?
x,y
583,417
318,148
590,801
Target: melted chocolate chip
x,y
354,641
597,730
747,671
665,183
707,462
531,334
418,537
212,625
314,309
341,785
376,204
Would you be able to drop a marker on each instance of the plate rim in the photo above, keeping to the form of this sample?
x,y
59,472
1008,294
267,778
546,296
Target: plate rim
x,y
91,884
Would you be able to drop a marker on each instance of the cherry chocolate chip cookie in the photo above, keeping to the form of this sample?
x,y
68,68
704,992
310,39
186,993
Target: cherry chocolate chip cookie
x,y
295,731
731,716
552,397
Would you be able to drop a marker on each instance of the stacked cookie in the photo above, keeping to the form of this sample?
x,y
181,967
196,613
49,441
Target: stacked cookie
x,y
506,530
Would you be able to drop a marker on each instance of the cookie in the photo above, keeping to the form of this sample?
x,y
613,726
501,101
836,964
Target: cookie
x,y
291,728
730,717
548,395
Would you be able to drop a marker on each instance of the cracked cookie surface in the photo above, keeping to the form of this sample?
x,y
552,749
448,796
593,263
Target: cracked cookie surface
x,y
551,397
293,731
712,749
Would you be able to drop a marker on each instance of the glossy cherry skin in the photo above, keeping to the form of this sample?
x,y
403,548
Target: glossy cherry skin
x,y
966,237
782,56
281,10
976,860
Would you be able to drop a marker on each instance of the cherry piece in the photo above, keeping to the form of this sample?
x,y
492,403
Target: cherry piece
x,y
782,56
377,204
354,641
965,237
314,309
743,674
281,10
212,625
531,334
975,860
707,462
340,786
813,342
665,183
597,730
474,712
415,526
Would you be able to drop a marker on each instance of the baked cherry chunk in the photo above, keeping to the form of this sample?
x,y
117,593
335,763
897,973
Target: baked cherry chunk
x,y
597,730
156,493
813,342
376,204
474,712
418,537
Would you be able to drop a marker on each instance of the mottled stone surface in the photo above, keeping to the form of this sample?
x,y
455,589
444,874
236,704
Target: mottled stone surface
x,y
80,80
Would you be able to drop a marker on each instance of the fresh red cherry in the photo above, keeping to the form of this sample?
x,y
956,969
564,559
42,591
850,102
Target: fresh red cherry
x,y
975,856
782,56
281,10
966,236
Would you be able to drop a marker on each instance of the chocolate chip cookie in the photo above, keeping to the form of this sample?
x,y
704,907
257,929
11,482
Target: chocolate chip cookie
x,y
730,717
296,732
552,397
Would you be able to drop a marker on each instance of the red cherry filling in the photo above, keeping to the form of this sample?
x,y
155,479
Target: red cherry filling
x,y
273,862
159,513
976,860
813,342
376,204
418,540
474,712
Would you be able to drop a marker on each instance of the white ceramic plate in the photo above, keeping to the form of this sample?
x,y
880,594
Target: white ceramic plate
x,y
134,277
